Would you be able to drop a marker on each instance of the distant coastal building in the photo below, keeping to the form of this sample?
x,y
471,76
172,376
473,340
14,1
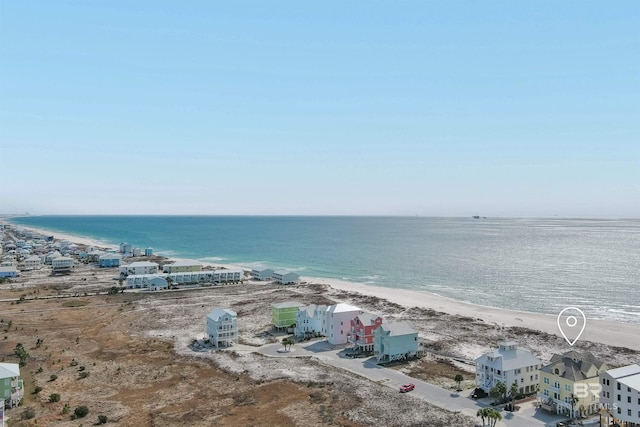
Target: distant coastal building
x,y
621,394
309,320
51,256
11,386
34,262
395,341
222,327
109,260
8,271
94,256
139,267
565,374
284,314
182,267
284,277
62,265
148,252
126,248
337,322
508,364
362,329
262,273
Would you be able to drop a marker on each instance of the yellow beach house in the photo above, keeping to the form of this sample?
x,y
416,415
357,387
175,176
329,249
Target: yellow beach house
x,y
182,267
569,384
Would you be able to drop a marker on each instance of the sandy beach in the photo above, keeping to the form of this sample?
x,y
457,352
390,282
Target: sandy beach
x,y
611,333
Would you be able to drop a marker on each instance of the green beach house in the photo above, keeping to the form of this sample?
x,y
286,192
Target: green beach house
x,y
11,386
283,314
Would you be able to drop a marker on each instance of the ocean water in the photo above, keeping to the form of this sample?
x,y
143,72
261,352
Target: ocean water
x,y
537,265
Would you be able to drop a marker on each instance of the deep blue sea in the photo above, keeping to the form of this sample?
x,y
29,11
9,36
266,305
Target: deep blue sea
x,y
537,265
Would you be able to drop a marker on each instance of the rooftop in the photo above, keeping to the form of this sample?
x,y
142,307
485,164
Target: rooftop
x,y
9,370
398,328
287,304
342,308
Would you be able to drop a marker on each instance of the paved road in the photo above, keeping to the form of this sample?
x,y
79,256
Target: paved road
x,y
334,355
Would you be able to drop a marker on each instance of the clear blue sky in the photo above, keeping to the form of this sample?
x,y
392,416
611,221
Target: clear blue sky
x,y
496,108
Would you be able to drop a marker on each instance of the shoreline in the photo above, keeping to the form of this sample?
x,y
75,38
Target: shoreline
x,y
618,334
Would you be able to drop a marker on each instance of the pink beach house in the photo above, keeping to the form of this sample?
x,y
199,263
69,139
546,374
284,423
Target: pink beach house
x,y
362,328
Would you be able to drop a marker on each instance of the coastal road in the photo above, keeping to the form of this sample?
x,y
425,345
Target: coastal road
x,y
527,416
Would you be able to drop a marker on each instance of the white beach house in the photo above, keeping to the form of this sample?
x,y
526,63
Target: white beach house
x,y
395,341
309,320
337,322
509,364
620,394
51,256
222,327
262,273
283,277
34,262
139,267
62,264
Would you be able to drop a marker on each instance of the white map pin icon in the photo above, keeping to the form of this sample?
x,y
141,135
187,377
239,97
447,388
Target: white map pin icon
x,y
571,322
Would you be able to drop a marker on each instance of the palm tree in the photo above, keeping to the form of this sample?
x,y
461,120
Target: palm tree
x,y
483,413
513,390
493,416
458,379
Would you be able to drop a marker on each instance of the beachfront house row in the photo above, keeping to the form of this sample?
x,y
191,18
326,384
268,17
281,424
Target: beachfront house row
x,y
309,320
261,273
109,260
362,329
508,364
182,267
222,327
11,386
34,262
561,379
139,267
62,264
395,341
620,395
337,322
283,277
284,314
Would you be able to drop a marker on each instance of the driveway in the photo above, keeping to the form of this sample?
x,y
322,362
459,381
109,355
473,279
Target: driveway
x,y
334,356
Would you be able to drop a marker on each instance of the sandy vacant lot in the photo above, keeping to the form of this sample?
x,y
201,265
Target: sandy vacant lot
x,y
130,357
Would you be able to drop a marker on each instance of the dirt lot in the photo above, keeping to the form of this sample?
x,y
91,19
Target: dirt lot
x,y
127,356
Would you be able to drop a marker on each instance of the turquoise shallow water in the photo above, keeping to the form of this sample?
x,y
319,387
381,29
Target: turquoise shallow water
x,y
538,265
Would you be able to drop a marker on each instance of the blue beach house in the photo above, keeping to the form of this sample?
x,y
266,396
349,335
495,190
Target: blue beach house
x,y
109,260
395,341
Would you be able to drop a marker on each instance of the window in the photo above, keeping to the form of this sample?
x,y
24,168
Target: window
x,y
619,410
629,400
546,392
567,387
629,412
521,380
618,386
546,380
618,397
603,381
536,377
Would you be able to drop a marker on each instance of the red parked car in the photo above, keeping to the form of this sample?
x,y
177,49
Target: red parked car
x,y
406,387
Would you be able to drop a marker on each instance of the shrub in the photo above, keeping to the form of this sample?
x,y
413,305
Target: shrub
x,y
54,397
83,375
37,390
102,419
53,377
66,408
80,411
28,414
74,362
